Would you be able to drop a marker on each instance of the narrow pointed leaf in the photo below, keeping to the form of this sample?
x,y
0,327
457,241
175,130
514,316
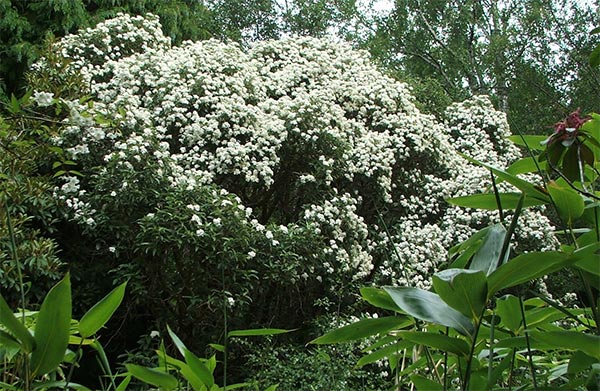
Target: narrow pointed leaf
x,y
580,362
528,188
15,326
52,329
256,332
152,376
486,258
178,343
429,307
9,341
100,313
523,166
362,329
462,289
124,384
199,369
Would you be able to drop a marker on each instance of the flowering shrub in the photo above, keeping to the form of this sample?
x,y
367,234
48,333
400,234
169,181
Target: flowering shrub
x,y
208,167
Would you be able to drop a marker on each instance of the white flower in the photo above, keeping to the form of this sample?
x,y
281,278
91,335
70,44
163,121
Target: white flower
x,y
43,99
154,334
112,249
230,301
251,254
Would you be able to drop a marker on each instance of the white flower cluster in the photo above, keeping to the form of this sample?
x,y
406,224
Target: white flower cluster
x,y
310,121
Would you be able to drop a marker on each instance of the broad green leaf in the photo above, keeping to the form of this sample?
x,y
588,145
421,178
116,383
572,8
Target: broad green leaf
x,y
532,141
580,362
508,307
486,258
487,201
429,307
530,190
379,298
152,376
570,340
52,329
362,329
590,260
15,326
527,267
462,289
385,352
568,202
256,332
272,388
523,166
424,384
8,341
101,312
437,341
199,369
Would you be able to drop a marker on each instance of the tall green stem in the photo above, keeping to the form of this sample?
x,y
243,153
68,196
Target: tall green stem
x,y
529,355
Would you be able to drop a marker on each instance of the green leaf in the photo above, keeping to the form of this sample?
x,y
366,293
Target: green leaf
x,y
437,341
523,166
199,369
272,388
508,307
178,342
101,312
590,260
124,384
568,202
467,248
52,329
487,201
534,142
429,307
595,57
570,340
529,189
61,384
379,298
527,267
385,352
8,341
486,258
462,289
152,376
580,362
256,332
424,384
217,347
15,326
362,329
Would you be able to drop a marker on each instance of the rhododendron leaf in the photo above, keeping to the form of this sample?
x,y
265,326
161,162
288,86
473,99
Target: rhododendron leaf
x,y
428,306
462,289
362,329
570,165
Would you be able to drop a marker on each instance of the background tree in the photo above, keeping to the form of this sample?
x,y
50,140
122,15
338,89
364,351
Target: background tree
x,y
24,25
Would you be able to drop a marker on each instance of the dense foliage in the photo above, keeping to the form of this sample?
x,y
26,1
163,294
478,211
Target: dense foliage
x,y
246,187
